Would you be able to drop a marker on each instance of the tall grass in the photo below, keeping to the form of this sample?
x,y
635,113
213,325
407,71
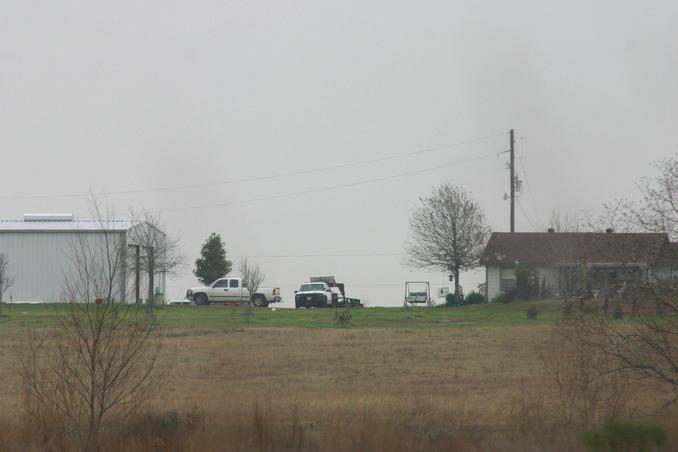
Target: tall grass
x,y
400,389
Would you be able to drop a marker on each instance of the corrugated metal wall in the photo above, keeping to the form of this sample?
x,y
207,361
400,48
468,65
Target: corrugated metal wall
x,y
38,260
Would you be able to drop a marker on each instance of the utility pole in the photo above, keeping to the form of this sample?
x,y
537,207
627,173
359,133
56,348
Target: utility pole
x,y
513,181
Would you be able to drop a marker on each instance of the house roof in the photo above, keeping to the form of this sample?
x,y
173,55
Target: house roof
x,y
576,247
669,254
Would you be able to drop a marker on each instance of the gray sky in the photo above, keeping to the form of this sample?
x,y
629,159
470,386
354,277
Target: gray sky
x,y
128,95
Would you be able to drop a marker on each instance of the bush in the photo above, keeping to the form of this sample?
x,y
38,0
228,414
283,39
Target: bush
x,y
450,299
636,436
343,319
482,289
618,312
527,284
504,297
532,312
475,298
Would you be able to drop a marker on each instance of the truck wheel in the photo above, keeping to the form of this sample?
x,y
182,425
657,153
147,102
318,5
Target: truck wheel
x,y
200,298
260,301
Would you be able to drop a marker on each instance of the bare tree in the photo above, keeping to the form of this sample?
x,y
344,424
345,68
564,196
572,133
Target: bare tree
x,y
448,232
648,344
6,278
99,361
252,277
564,222
590,387
616,215
656,210
159,252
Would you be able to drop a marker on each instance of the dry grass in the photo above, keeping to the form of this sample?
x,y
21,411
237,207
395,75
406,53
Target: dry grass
x,y
481,388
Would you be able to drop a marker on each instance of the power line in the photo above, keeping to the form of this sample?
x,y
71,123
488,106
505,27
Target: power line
x,y
323,189
260,178
526,216
527,184
293,256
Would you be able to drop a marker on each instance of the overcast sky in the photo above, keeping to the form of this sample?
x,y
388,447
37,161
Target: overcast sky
x,y
136,96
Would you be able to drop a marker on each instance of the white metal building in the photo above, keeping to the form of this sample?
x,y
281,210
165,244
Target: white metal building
x,y
40,253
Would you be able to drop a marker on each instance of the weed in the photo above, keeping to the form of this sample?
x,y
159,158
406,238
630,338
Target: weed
x,y
532,312
343,318
626,436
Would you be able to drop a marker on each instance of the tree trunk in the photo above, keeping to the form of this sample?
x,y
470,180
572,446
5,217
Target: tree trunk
x,y
457,288
151,277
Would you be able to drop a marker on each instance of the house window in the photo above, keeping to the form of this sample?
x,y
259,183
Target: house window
x,y
507,285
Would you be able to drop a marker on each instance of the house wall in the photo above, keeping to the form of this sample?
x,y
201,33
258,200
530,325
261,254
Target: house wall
x,y
492,279
550,277
40,260
495,274
669,274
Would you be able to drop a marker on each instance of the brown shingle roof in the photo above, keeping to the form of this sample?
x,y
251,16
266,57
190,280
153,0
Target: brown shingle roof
x,y
574,247
669,255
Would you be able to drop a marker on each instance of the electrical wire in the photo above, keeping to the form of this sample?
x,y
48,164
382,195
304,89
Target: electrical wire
x,y
323,189
528,186
260,178
293,256
526,216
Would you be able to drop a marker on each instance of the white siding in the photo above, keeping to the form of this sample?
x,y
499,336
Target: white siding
x,y
549,275
38,262
507,273
492,274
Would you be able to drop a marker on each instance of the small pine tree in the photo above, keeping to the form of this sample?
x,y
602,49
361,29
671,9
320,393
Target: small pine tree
x,y
212,263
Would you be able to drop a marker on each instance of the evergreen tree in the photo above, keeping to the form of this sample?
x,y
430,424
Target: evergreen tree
x,y
212,263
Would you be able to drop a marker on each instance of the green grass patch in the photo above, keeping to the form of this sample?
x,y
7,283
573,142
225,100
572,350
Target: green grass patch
x,y
21,315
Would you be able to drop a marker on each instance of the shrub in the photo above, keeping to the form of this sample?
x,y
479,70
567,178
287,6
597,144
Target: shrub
x,y
527,284
451,300
618,313
475,298
504,298
636,436
532,312
482,289
343,319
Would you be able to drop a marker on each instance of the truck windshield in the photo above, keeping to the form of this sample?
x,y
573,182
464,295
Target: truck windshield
x,y
311,287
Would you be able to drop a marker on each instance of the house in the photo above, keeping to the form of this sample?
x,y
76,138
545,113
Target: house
x,y
40,251
576,262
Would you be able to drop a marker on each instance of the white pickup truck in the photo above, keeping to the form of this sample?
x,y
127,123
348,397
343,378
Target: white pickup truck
x,y
232,291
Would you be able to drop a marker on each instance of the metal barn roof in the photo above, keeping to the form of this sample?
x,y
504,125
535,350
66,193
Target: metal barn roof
x,y
61,225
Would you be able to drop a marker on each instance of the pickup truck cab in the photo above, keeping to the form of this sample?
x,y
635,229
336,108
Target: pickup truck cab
x,y
314,295
232,291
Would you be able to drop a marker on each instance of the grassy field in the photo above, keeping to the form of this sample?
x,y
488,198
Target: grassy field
x,y
467,378
511,314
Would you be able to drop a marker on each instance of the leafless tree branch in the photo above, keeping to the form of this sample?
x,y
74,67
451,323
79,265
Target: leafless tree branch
x,y
448,232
